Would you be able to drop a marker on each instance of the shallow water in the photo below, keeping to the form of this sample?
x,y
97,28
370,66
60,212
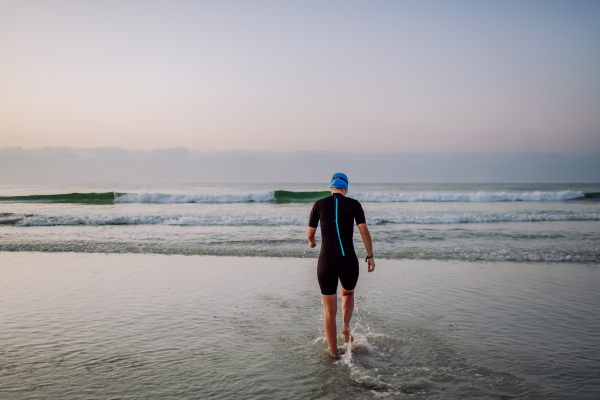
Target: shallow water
x,y
152,326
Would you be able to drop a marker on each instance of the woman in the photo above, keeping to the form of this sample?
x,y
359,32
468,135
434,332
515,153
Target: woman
x,y
337,259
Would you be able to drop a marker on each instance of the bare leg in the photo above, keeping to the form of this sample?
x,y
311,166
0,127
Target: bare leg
x,y
330,310
347,308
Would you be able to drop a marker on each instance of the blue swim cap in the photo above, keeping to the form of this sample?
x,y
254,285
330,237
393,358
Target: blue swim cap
x,y
339,180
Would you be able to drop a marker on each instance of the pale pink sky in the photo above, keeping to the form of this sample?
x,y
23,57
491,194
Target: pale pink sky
x,y
280,76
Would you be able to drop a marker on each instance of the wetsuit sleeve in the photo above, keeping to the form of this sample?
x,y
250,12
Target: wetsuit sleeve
x,y
359,215
313,220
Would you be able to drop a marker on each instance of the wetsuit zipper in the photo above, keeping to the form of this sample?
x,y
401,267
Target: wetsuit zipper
x,y
337,226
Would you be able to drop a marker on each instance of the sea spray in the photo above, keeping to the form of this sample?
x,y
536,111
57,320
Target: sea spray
x,y
478,197
195,198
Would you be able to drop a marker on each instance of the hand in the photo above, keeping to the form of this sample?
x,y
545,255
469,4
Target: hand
x,y
371,262
312,244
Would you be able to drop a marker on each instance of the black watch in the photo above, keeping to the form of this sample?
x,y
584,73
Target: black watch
x,y
367,259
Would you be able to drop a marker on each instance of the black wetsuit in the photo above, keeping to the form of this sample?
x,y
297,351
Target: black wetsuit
x,y
337,260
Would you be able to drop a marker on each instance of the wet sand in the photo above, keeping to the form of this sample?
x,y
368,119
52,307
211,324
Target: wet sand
x,y
152,326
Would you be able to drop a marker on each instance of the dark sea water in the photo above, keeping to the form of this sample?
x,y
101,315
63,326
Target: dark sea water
x,y
209,292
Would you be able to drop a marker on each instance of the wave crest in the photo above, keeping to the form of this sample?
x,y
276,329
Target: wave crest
x,y
194,198
283,196
480,197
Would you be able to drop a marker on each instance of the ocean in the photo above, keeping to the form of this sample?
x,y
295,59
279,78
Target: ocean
x,y
481,291
476,222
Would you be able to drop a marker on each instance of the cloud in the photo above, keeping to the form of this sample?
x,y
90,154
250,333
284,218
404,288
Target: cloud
x,y
180,165
169,153
112,152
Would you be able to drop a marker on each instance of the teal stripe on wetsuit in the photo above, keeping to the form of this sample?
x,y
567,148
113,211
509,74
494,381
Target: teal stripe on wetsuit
x,y
337,226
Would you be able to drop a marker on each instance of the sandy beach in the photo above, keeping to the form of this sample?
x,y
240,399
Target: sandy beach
x,y
153,326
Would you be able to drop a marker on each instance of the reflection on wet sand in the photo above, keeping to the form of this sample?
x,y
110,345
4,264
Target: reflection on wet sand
x,y
135,326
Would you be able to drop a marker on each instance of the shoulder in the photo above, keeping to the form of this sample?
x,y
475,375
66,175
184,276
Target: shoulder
x,y
354,201
317,204
322,201
356,206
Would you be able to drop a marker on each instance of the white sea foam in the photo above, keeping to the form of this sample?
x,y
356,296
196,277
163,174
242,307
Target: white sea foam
x,y
195,198
481,197
257,220
464,218
41,220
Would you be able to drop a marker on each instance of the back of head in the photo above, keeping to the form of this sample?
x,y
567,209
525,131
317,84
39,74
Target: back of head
x,y
339,181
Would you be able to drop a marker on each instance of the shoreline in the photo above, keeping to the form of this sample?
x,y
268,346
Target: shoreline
x,y
575,260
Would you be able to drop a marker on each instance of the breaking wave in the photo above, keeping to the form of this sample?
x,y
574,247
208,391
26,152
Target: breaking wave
x,y
195,198
479,197
284,196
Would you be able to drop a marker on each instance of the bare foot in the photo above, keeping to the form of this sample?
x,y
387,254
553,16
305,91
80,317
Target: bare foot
x,y
336,355
346,332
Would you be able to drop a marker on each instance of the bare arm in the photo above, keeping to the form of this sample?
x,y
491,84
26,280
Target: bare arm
x,y
310,235
366,237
